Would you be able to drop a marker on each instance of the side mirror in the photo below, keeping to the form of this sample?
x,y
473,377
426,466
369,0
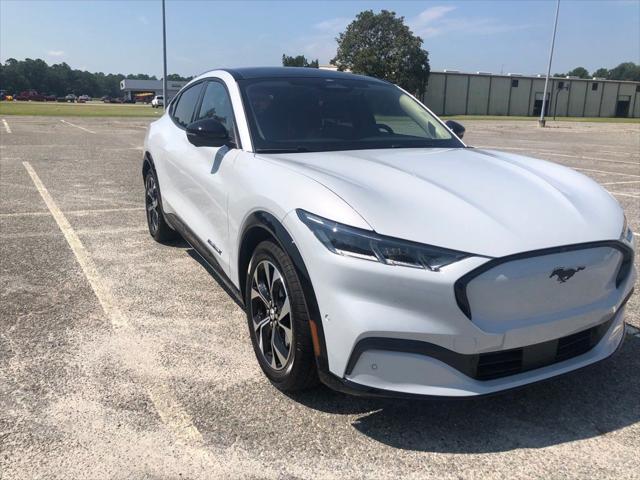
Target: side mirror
x,y
456,128
207,132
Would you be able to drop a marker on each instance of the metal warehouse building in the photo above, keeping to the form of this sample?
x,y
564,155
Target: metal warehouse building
x,y
130,88
457,93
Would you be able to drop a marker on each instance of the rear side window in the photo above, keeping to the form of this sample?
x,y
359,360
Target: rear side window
x,y
183,111
216,104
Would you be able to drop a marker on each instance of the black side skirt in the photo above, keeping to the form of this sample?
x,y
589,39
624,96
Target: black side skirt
x,y
190,237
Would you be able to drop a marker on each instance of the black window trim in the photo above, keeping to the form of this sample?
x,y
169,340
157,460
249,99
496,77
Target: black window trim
x,y
176,100
207,80
198,104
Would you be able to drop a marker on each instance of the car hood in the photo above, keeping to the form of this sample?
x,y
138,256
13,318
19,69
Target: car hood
x,y
478,201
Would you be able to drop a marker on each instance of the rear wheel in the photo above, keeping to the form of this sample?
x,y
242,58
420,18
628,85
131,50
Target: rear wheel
x,y
278,319
158,227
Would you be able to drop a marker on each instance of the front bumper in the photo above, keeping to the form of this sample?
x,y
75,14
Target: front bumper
x,y
389,372
360,300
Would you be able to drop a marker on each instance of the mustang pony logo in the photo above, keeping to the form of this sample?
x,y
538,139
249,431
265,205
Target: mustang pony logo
x,y
565,274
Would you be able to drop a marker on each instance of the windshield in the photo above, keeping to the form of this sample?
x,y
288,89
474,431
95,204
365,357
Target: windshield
x,y
322,114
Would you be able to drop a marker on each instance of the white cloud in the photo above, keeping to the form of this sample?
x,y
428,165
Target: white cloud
x,y
320,43
333,25
56,53
430,14
435,21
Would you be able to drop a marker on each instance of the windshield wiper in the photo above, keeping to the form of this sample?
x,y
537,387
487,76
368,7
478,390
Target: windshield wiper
x,y
282,150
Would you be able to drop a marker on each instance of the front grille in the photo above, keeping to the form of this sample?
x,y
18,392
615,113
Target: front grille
x,y
509,362
499,364
495,277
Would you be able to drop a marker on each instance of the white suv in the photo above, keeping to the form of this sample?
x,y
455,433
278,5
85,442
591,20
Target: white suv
x,y
158,101
372,249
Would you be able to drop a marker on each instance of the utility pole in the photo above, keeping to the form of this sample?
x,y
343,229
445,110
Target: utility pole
x,y
541,122
164,60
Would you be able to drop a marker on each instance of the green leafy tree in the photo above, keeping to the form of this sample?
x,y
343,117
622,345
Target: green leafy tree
x,y
60,79
381,45
625,71
299,61
601,73
579,72
140,76
174,77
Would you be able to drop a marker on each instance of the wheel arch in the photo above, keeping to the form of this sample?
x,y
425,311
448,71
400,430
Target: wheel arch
x,y
147,164
260,226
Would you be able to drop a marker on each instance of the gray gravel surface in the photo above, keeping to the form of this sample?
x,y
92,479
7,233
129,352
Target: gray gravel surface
x,y
123,358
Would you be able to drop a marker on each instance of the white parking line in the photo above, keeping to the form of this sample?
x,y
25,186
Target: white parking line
x,y
550,152
170,411
604,171
624,194
73,212
6,126
582,157
77,126
620,183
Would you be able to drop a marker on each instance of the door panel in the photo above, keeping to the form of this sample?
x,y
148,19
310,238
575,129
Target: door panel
x,y
176,182
206,171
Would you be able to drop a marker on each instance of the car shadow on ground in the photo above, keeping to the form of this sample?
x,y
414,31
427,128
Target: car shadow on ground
x,y
598,399
197,257
595,400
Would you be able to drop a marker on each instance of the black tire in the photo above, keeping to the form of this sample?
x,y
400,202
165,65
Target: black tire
x,y
299,371
158,227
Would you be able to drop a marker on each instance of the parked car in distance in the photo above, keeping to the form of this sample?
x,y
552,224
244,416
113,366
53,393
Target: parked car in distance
x,y
158,101
30,95
376,252
50,98
84,98
71,98
108,99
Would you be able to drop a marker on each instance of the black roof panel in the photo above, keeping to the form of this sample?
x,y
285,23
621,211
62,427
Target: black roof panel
x,y
247,73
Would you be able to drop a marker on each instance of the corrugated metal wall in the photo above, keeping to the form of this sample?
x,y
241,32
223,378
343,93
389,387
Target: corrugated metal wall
x,y
452,93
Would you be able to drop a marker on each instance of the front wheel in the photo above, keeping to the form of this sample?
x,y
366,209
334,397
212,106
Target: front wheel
x,y
158,227
278,319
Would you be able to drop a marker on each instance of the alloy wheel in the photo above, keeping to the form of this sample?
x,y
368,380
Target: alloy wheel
x,y
271,315
151,202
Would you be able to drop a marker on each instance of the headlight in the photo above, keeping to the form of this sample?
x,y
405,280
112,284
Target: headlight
x,y
367,245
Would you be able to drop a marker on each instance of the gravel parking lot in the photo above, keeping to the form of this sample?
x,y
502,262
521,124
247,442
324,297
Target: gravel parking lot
x,y
122,358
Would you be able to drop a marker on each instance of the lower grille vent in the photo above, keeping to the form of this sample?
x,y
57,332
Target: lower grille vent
x,y
499,364
509,362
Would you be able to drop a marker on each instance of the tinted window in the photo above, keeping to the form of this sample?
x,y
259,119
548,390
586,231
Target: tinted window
x,y
183,111
217,104
514,83
318,114
594,86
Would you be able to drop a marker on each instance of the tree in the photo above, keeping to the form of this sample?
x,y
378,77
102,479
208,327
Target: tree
x,y
174,77
579,72
382,46
140,76
299,61
601,73
60,79
625,71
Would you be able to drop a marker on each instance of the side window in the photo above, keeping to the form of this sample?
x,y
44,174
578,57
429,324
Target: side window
x,y
183,111
217,104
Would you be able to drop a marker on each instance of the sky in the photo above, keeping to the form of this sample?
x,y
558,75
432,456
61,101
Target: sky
x,y
473,35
